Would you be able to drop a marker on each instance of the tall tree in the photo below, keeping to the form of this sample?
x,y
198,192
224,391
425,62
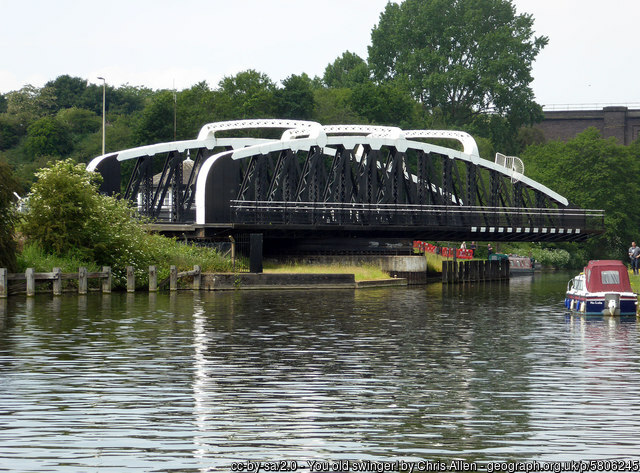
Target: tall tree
x,y
196,106
348,70
295,99
594,173
68,91
156,121
463,57
248,94
385,104
48,136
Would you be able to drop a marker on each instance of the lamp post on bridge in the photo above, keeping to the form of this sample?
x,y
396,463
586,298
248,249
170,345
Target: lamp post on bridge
x,y
104,95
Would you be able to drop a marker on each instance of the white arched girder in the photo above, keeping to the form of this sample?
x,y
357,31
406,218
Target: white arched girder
x,y
207,139
350,142
209,130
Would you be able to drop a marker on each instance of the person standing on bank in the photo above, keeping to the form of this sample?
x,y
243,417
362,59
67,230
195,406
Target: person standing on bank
x,y
634,256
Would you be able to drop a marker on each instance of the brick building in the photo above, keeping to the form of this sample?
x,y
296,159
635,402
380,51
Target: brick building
x,y
618,122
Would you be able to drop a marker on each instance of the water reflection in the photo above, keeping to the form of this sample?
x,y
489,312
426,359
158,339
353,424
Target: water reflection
x,y
193,381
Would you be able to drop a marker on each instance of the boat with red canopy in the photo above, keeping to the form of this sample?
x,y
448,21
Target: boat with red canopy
x,y
603,288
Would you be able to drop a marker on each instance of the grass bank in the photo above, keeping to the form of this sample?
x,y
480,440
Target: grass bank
x,y
634,279
362,273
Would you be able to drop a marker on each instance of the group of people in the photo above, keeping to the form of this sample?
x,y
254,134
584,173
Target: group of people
x,y
472,246
634,256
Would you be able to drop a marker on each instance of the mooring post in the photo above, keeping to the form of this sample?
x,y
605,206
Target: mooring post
x,y
255,252
197,278
82,280
57,281
31,282
131,279
173,278
153,279
4,283
444,272
106,280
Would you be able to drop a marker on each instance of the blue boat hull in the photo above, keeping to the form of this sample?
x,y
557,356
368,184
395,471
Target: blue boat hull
x,y
598,306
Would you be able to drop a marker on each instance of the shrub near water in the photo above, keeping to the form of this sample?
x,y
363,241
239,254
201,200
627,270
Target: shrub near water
x,y
69,218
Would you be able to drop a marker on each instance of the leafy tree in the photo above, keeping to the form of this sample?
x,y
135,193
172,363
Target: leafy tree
x,y
249,94
196,106
11,130
385,104
79,120
48,136
31,103
594,173
156,122
348,70
68,91
3,103
62,204
7,218
464,57
333,107
295,99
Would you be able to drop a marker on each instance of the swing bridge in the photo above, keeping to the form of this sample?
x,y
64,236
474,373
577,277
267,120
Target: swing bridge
x,y
350,182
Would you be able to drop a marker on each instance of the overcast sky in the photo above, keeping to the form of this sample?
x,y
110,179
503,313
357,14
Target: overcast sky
x,y
590,58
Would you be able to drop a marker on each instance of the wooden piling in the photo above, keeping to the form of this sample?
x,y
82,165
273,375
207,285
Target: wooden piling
x,y
173,278
153,279
4,283
197,278
106,281
57,281
82,280
131,279
31,282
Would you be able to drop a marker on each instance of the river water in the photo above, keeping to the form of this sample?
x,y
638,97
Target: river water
x,y
197,381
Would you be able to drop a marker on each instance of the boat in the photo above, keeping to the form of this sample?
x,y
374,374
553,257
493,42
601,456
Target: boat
x,y
603,288
518,265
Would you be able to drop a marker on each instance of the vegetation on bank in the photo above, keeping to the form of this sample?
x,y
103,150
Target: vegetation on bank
x,y
361,272
68,224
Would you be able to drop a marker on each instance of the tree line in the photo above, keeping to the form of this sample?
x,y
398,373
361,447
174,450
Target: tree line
x,y
431,64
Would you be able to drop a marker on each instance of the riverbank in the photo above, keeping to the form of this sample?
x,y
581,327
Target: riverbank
x,y
360,272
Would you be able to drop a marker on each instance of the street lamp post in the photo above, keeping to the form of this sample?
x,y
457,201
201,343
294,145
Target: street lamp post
x,y
104,95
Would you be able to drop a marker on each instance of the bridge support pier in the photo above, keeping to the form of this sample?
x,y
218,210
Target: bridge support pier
x,y
255,253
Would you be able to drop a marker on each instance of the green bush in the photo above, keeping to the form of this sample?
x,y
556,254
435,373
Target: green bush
x,y
69,224
555,258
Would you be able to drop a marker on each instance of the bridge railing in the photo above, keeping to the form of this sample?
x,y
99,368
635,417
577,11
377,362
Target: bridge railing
x,y
491,219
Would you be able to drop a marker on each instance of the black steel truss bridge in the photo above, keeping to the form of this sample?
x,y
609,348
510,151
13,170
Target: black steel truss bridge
x,y
306,181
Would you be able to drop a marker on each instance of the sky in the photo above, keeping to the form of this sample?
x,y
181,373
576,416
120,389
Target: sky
x,y
162,44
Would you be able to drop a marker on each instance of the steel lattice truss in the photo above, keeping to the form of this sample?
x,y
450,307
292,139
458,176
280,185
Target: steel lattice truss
x,y
347,178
